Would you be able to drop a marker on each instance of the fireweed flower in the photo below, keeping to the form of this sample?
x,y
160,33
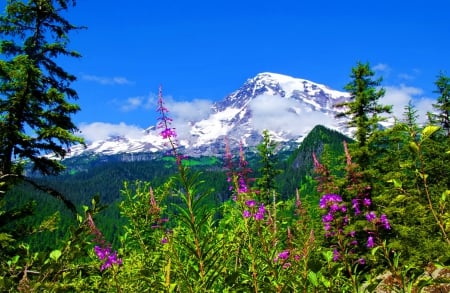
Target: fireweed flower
x,y
284,254
367,202
246,214
164,120
109,257
242,185
385,222
328,218
102,250
336,255
371,217
370,242
250,203
329,199
259,215
355,206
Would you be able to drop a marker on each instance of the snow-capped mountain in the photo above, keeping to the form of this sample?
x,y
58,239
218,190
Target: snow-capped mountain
x,y
287,107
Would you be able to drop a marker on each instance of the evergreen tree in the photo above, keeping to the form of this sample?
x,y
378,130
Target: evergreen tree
x,y
363,108
268,169
443,102
35,112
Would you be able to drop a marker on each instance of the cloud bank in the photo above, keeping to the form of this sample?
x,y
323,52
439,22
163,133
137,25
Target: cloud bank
x,y
399,96
117,80
181,112
100,130
277,114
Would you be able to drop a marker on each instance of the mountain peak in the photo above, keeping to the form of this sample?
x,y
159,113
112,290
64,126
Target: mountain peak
x,y
288,107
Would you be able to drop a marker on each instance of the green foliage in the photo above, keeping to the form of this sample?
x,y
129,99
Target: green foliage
x,y
443,102
266,183
363,110
34,89
188,225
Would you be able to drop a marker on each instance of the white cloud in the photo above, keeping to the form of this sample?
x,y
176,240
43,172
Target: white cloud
x,y
399,96
100,130
381,67
131,104
134,103
107,80
276,114
187,111
194,110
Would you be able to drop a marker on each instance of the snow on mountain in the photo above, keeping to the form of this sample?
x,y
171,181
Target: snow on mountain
x,y
286,106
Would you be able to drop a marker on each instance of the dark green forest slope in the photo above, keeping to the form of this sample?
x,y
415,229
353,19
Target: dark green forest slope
x,y
103,177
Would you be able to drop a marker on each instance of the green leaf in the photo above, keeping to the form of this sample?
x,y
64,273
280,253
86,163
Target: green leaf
x,y
55,254
374,250
312,277
428,131
444,195
413,147
397,184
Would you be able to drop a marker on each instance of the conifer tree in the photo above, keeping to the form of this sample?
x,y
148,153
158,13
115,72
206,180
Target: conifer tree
x,y
443,102
35,92
268,169
363,109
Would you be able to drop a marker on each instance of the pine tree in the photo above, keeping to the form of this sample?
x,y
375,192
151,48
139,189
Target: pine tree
x,y
363,108
268,169
35,111
443,102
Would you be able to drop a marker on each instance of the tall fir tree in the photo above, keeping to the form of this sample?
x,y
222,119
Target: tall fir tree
x,y
268,169
363,109
35,92
443,102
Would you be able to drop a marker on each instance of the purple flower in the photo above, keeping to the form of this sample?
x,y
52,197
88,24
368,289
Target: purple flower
x,y
164,240
259,215
242,186
370,242
367,202
250,203
329,199
284,254
336,255
345,219
371,216
385,222
355,206
110,258
168,133
361,261
334,207
328,218
246,214
101,252
261,209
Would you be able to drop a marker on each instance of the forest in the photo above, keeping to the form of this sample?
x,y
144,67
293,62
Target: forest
x,y
337,214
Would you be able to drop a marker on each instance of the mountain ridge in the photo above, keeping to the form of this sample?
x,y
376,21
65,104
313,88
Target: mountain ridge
x,y
288,107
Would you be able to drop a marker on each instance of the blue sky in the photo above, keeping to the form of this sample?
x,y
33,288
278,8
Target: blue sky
x,y
200,51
